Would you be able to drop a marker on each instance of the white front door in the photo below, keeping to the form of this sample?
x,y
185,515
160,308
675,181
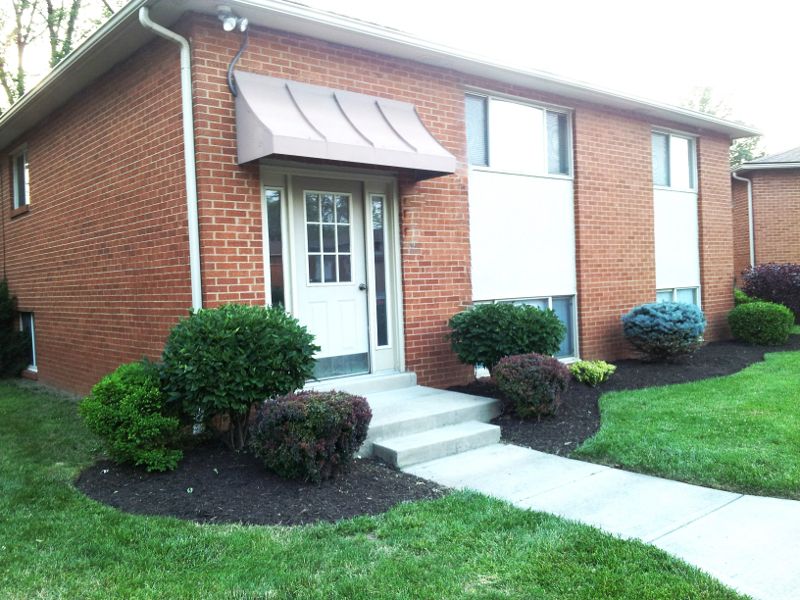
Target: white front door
x,y
331,273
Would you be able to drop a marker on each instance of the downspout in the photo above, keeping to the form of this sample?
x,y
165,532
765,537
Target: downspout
x,y
188,151
749,216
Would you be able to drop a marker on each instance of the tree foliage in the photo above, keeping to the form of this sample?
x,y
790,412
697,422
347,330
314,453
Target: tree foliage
x,y
53,26
743,149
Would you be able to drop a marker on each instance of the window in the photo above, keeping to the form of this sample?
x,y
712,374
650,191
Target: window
x,y
19,178
517,138
563,306
379,252
673,161
690,295
328,237
273,200
26,326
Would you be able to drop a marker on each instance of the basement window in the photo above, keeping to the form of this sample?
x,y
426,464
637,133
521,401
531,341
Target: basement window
x,y
19,178
26,326
689,295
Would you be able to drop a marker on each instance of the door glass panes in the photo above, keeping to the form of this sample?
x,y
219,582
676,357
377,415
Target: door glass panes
x,y
477,148
687,295
681,163
273,198
379,251
664,296
516,137
557,144
328,237
660,159
563,309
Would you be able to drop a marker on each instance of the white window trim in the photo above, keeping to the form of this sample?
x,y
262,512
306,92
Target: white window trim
x,y
545,108
674,291
20,151
670,133
32,367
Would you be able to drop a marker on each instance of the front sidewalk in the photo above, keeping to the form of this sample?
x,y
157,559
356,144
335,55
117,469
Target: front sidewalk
x,y
750,543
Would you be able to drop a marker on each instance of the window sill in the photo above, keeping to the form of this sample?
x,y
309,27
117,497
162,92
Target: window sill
x,y
22,210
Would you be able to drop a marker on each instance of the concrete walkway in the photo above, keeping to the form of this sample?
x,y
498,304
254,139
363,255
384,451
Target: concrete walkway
x,y
748,542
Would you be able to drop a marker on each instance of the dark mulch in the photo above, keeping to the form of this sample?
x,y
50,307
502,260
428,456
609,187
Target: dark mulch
x,y
579,417
214,485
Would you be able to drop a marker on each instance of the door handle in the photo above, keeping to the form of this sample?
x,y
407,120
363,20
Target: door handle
x,y
362,286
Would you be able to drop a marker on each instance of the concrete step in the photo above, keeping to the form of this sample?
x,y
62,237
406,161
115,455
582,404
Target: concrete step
x,y
364,385
435,443
412,410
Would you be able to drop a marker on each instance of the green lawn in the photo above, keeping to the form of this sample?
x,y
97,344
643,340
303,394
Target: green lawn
x,y
55,543
740,432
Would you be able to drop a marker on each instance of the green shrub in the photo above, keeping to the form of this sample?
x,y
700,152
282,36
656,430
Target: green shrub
x,y
762,323
14,345
126,410
592,372
665,330
739,297
485,333
223,360
310,435
532,382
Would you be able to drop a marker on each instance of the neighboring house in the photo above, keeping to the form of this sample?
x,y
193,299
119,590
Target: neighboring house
x,y
373,183
766,210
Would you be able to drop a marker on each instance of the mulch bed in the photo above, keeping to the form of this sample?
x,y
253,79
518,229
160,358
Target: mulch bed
x,y
579,416
215,485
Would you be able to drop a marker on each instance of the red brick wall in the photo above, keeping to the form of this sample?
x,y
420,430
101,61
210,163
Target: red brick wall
x,y
741,228
614,227
101,256
776,215
715,224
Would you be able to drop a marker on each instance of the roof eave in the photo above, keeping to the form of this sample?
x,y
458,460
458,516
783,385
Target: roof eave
x,y
766,166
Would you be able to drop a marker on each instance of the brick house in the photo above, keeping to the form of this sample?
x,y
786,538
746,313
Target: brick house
x,y
766,210
373,183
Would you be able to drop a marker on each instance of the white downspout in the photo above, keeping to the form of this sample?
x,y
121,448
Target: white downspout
x,y
749,216
188,151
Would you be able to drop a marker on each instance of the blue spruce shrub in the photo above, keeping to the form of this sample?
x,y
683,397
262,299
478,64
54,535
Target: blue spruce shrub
x,y
665,330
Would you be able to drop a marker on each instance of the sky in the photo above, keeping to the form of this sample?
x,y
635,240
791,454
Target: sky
x,y
748,53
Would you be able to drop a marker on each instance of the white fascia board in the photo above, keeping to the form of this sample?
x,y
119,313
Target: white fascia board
x,y
766,166
122,35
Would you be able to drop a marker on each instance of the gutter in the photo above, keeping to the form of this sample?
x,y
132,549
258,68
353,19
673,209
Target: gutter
x,y
188,151
750,228
767,166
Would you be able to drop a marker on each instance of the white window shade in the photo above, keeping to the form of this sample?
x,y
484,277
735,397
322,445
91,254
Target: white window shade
x,y
516,137
681,163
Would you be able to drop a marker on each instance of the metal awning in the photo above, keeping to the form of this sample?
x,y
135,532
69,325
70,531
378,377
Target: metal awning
x,y
277,116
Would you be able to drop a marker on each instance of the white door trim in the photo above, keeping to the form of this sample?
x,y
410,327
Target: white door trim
x,y
281,178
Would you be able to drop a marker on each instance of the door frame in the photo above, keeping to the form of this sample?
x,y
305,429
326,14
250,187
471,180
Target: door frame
x,y
281,177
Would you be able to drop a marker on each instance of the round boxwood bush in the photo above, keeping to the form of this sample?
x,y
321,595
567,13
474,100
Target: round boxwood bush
x,y
223,360
532,382
775,282
665,330
126,409
485,333
762,323
310,435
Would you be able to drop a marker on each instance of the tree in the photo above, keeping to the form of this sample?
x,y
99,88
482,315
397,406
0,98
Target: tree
x,y
24,22
742,150
60,19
